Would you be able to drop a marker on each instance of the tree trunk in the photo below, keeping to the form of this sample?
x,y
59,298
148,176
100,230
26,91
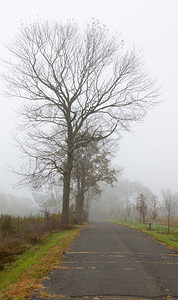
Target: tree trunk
x,y
80,204
169,221
80,194
66,191
77,200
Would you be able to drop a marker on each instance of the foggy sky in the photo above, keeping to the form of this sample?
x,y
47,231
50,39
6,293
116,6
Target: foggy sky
x,y
149,154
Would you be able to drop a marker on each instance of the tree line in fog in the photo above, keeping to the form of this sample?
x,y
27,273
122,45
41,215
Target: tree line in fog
x,y
129,200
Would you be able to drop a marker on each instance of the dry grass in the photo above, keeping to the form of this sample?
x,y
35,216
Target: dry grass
x,y
19,281
163,221
19,234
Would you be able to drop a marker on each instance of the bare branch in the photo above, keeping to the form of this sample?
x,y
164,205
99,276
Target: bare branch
x,y
76,87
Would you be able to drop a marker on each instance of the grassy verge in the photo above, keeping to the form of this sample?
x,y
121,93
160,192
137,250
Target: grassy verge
x,y
159,233
19,278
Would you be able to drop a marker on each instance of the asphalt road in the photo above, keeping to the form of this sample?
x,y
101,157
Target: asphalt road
x,y
108,261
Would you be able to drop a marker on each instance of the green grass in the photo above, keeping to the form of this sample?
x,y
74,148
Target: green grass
x,y
159,233
23,275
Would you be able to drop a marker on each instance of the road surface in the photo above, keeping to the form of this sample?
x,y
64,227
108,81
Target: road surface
x,y
109,261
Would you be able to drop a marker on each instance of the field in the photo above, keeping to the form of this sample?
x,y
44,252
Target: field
x,y
163,221
160,233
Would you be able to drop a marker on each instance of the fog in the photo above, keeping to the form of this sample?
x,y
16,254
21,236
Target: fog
x,y
121,200
149,153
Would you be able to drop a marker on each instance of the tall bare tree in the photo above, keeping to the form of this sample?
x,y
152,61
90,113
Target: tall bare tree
x,y
72,81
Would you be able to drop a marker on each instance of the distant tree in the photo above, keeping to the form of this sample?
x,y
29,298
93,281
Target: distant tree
x,y
154,208
133,211
130,190
72,81
115,198
169,207
142,207
128,209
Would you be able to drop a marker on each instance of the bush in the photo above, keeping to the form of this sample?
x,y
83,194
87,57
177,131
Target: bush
x,y
7,227
9,252
34,238
75,219
18,232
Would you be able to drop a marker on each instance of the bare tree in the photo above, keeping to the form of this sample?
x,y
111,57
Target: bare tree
x,y
72,81
128,209
169,206
142,207
154,208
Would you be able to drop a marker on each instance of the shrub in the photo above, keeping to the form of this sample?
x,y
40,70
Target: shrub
x,y
75,219
34,238
9,252
7,227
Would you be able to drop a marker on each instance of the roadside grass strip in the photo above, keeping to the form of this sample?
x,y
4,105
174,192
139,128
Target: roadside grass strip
x,y
24,275
159,233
